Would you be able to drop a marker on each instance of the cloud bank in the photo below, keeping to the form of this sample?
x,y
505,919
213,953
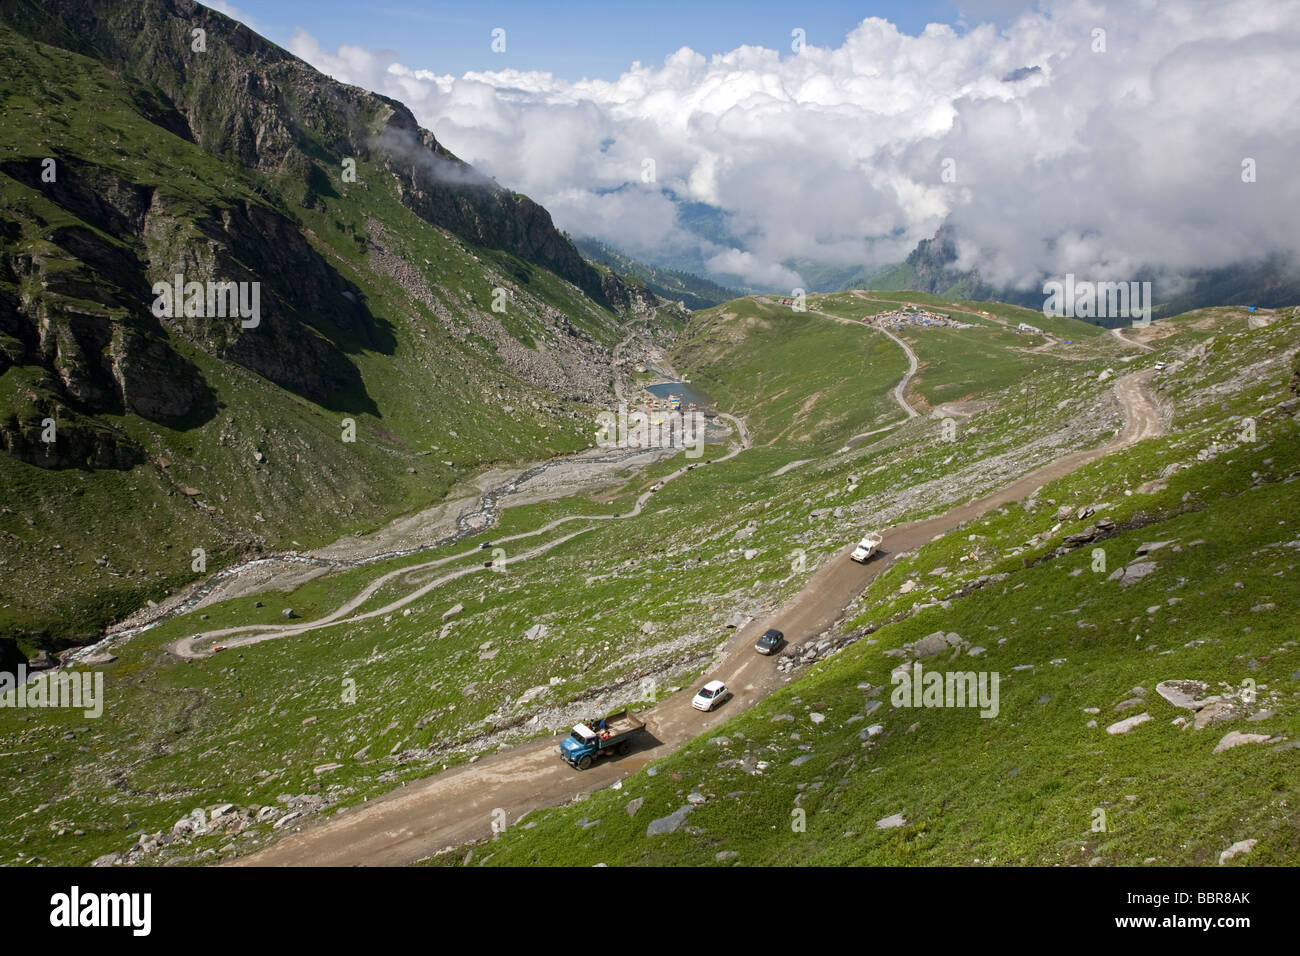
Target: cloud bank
x,y
1082,137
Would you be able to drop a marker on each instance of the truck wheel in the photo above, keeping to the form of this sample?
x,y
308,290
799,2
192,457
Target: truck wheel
x,y
584,763
624,748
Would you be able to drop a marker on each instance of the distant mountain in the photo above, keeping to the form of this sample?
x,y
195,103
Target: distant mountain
x,y
692,290
828,277
1270,284
929,268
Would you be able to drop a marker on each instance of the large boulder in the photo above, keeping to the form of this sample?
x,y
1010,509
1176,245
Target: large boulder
x,y
1186,694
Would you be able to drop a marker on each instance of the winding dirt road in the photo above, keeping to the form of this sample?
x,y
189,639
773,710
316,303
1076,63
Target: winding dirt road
x,y
900,390
458,805
901,387
202,644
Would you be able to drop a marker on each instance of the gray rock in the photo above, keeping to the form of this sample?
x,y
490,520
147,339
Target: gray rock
x,y
1149,546
929,645
1124,726
670,823
1133,572
452,611
1185,694
1216,711
1237,849
888,823
634,805
1235,738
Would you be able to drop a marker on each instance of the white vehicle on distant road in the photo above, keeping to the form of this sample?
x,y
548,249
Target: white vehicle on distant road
x,y
711,695
866,548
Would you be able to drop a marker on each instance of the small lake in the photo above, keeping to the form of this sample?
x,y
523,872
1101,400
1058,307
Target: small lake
x,y
687,393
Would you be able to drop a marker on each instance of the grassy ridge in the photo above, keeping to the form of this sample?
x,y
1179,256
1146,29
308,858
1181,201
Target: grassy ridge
x,y
754,359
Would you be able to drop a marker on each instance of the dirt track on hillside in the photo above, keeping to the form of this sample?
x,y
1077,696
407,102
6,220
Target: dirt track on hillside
x,y
457,806
204,644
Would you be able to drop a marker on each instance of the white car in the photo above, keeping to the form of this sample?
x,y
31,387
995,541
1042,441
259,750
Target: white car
x,y
1160,366
866,548
711,695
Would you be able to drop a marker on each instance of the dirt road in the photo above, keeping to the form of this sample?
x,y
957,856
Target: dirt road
x,y
1127,341
900,390
203,644
458,806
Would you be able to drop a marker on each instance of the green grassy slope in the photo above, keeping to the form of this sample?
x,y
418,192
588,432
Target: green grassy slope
x,y
1071,645
754,358
679,568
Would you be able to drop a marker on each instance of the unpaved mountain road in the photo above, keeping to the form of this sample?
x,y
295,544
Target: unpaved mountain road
x,y
1127,341
460,805
901,387
203,644
900,390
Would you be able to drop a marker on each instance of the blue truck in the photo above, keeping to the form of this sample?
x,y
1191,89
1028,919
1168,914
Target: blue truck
x,y
599,737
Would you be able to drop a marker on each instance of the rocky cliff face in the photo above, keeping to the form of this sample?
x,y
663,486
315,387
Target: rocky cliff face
x,y
73,302
932,261
82,326
245,98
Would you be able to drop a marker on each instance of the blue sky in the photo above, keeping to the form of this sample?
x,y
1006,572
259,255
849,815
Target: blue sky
x,y
586,38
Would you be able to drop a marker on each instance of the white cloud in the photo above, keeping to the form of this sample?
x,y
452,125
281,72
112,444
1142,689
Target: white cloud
x,y
1094,162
